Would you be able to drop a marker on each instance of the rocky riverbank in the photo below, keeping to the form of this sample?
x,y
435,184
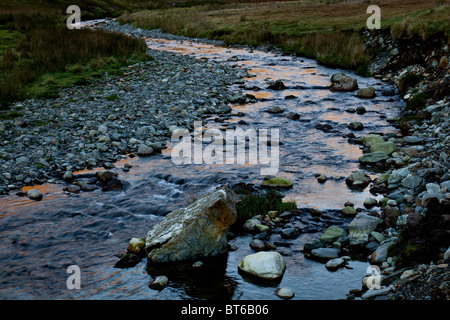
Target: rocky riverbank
x,y
415,183
111,118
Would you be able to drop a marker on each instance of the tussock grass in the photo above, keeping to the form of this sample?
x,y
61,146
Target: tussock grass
x,y
48,47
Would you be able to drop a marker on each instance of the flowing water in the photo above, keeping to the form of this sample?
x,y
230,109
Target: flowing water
x,y
39,240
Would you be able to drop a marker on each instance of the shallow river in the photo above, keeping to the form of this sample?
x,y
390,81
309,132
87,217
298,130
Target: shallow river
x,y
39,240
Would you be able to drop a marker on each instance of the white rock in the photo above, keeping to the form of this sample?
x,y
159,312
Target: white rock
x,y
285,293
335,263
268,265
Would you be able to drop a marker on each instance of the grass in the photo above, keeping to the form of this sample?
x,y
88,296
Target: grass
x,y
324,30
417,102
254,204
47,55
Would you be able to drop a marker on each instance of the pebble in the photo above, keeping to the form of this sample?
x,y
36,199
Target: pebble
x,y
285,293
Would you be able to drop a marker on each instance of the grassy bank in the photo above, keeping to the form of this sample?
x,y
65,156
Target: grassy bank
x,y
323,30
38,54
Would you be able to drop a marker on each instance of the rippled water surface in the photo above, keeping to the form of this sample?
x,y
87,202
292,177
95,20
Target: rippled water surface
x,y
39,240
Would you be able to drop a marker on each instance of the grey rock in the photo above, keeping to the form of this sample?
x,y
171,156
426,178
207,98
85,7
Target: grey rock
x,y
194,232
366,93
335,263
34,194
285,293
355,126
144,150
326,253
398,175
358,176
373,157
361,227
341,82
380,254
411,182
290,233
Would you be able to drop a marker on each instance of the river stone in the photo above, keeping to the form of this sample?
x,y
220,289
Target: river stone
x,y
398,176
370,202
136,245
356,126
325,253
357,178
371,139
335,263
275,109
411,182
349,211
197,231
267,265
253,225
386,147
366,93
144,150
290,233
361,227
332,234
105,176
159,283
285,293
341,82
277,85
380,254
278,183
34,194
373,157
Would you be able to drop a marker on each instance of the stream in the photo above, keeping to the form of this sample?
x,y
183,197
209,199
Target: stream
x,y
39,240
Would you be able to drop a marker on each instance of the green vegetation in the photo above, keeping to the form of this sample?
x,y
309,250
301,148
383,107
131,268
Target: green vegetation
x,y
112,97
417,102
254,204
10,115
38,54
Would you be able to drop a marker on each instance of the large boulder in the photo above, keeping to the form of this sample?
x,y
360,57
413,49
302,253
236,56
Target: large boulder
x,y
361,227
341,82
197,231
265,265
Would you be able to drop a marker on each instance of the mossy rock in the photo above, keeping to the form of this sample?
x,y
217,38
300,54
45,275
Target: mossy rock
x,y
278,183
